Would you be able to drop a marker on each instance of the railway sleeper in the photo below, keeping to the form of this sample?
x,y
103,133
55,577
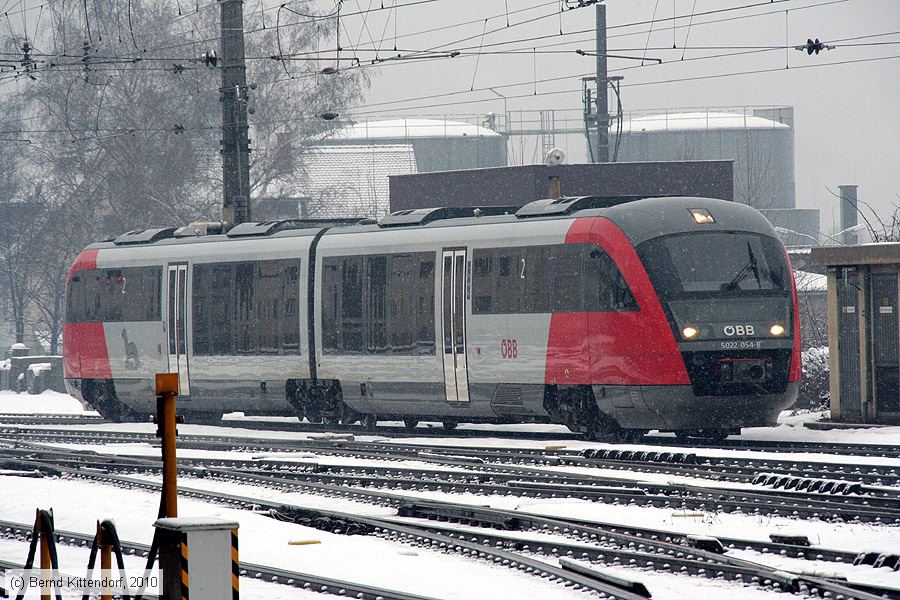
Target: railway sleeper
x,y
807,484
461,515
641,456
316,520
702,563
878,560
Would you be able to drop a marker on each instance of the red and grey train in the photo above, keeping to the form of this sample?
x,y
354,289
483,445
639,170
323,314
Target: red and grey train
x,y
611,317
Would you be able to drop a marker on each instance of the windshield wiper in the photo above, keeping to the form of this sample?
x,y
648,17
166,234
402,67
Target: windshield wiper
x,y
750,267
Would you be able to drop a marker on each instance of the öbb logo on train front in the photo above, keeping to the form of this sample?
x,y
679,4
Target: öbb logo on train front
x,y
733,330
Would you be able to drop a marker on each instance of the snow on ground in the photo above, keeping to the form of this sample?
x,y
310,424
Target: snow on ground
x,y
48,402
74,564
266,541
850,537
397,566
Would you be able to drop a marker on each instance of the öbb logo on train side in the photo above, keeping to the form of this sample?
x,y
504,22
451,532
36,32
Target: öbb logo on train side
x,y
509,348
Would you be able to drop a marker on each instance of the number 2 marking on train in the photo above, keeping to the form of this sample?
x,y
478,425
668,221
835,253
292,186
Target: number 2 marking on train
x,y
509,348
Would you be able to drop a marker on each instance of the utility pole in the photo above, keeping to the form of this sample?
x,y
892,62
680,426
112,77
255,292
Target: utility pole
x,y
601,154
233,95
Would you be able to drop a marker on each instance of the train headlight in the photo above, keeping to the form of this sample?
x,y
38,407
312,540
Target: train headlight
x,y
689,332
776,329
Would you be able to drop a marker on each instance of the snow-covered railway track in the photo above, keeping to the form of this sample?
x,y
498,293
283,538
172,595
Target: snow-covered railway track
x,y
663,441
498,479
534,482
589,543
699,465
307,581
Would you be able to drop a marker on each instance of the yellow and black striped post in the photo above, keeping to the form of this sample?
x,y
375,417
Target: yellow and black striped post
x,y
235,567
215,570
185,572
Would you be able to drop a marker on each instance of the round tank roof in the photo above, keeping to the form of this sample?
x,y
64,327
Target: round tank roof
x,y
412,128
692,121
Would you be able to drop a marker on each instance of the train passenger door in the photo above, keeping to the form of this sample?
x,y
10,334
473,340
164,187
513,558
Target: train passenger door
x,y
177,325
453,325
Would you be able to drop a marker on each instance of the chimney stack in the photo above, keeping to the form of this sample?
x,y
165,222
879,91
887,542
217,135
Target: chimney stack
x,y
849,213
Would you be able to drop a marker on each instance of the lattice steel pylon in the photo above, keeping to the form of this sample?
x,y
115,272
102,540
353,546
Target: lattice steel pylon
x,y
548,131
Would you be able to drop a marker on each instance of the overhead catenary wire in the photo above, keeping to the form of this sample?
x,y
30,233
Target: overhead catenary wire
x,y
533,50
132,130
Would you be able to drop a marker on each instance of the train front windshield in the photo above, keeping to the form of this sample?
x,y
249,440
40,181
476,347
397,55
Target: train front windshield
x,y
718,283
716,265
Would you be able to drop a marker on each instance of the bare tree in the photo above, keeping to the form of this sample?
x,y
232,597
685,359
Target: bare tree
x,y
753,182
122,122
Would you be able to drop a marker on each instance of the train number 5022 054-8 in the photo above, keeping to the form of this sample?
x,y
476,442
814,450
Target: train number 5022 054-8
x,y
741,345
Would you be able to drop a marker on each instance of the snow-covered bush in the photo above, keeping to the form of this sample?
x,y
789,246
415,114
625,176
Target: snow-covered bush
x,y
814,393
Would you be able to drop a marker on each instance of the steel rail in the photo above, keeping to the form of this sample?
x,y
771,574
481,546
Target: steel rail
x,y
775,502
248,570
870,474
869,450
793,582
588,487
764,575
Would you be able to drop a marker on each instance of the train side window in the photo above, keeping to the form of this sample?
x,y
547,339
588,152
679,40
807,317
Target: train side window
x,y
114,295
82,297
289,292
483,280
245,309
376,297
141,293
213,309
607,290
425,303
565,270
537,279
268,309
510,286
199,307
331,303
401,317
110,290
351,330
389,311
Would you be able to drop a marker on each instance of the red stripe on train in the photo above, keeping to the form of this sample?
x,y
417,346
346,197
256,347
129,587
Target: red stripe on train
x,y
616,348
85,354
86,261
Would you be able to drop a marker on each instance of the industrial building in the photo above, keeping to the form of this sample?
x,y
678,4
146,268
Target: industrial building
x,y
438,144
863,331
517,185
760,141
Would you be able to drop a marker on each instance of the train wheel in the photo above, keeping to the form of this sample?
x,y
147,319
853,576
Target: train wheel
x,y
205,418
683,435
628,436
410,424
331,420
450,425
370,422
715,435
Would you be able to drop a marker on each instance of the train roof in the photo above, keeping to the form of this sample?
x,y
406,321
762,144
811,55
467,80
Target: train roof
x,y
640,218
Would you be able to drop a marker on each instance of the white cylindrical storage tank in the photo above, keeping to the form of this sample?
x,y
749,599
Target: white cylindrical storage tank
x,y
439,144
760,141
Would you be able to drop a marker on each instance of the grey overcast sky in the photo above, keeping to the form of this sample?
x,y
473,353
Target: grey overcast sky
x,y
847,116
